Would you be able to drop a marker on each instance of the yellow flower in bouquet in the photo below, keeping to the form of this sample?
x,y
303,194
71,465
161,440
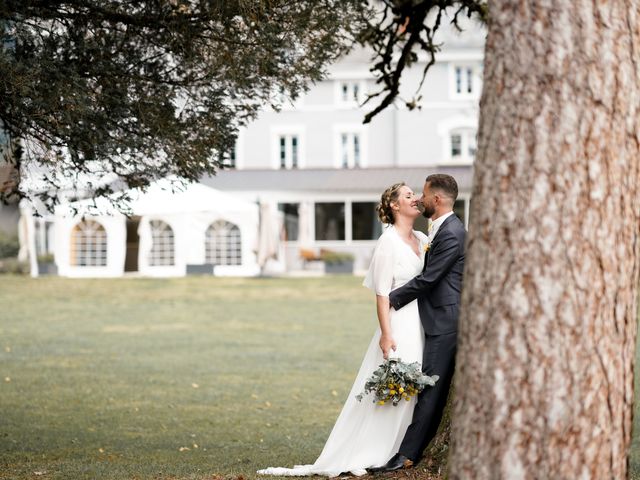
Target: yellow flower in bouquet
x,y
394,380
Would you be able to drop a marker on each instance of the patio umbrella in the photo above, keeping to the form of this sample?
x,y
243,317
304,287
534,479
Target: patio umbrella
x,y
267,236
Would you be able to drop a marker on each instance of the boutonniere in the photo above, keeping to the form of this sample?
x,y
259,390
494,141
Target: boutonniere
x,y
427,247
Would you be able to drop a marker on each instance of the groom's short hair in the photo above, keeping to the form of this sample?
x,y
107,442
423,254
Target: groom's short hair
x,y
445,183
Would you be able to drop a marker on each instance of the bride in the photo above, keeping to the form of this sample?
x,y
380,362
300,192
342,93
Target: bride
x,y
366,435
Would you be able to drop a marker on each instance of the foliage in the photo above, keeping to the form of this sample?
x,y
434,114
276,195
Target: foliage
x,y
13,266
394,381
119,93
103,96
332,258
9,245
46,258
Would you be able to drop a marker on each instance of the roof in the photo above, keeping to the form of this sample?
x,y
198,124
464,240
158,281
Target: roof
x,y
333,180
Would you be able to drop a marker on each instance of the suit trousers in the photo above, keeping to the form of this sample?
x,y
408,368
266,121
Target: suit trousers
x,y
439,358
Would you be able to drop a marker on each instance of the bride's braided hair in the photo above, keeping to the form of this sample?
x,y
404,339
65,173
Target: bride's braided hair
x,y
384,209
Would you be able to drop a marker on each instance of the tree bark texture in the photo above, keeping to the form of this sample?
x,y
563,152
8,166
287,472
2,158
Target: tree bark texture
x,y
544,386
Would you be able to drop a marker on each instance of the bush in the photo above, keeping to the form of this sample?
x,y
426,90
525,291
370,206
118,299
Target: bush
x,y
46,258
13,266
330,257
9,245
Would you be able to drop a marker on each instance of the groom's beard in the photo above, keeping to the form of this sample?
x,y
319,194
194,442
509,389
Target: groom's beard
x,y
428,212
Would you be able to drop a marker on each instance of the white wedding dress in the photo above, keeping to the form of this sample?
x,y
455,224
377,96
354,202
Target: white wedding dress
x,y
366,434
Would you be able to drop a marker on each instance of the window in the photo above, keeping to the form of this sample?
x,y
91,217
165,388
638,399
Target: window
x,y
467,81
350,148
162,244
463,145
330,221
223,244
456,145
364,221
228,160
288,151
350,92
291,220
89,245
464,80
460,208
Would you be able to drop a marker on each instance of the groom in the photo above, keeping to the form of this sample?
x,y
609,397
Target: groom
x,y
437,289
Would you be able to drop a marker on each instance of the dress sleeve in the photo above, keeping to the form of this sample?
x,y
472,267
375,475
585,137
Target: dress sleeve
x,y
379,277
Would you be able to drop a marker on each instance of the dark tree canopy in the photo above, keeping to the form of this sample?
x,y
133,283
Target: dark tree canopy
x,y
125,92
139,90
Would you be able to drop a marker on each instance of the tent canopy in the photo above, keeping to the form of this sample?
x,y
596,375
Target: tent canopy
x,y
163,197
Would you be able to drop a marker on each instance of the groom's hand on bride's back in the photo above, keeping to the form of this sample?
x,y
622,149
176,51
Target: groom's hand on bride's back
x,y
387,343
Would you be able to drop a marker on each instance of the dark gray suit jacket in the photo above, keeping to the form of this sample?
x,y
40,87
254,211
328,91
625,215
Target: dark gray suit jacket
x,y
439,285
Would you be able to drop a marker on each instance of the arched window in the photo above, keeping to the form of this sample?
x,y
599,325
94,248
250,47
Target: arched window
x,y
223,244
162,244
89,245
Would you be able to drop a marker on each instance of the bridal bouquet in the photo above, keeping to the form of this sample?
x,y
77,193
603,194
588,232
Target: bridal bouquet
x,y
394,380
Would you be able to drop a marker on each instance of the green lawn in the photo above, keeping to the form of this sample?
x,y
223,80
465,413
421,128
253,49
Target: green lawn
x,y
184,378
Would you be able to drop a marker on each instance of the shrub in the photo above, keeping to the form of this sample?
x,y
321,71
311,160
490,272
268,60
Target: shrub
x,y
9,245
13,266
46,258
331,257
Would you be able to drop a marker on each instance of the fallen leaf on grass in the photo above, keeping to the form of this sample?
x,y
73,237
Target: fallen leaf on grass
x,y
38,474
7,349
253,395
195,385
7,379
183,449
268,404
195,445
334,393
101,450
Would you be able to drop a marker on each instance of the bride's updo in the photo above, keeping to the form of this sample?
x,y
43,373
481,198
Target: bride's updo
x,y
390,195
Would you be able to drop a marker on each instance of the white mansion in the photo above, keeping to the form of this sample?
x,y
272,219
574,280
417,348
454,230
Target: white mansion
x,y
313,167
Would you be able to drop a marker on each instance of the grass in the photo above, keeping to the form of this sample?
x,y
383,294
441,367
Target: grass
x,y
185,378
111,378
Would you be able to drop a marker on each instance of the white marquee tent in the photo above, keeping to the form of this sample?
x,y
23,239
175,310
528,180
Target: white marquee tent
x,y
168,234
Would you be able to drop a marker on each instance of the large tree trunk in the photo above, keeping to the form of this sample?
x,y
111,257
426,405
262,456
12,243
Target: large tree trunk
x,y
544,386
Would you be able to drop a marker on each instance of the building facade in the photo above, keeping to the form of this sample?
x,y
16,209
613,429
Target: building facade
x,y
318,164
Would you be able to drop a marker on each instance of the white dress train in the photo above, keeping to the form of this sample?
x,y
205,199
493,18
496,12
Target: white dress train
x,y
367,435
